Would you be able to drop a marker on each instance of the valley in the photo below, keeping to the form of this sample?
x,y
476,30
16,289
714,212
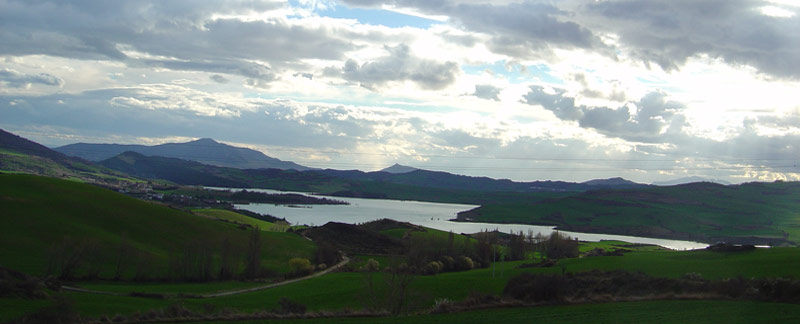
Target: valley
x,y
147,238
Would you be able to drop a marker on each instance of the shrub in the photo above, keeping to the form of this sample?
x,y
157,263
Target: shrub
x,y
449,263
433,267
464,263
372,266
300,266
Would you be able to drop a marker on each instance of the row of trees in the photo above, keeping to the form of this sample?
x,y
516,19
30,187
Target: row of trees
x,y
486,247
199,260
553,246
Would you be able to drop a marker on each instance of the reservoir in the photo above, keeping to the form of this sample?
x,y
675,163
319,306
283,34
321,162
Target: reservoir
x,y
433,215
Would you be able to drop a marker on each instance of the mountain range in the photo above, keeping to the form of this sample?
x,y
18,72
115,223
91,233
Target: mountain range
x,y
204,150
151,162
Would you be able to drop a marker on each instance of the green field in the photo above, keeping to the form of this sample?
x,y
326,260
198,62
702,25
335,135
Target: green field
x,y
670,311
39,215
235,217
347,289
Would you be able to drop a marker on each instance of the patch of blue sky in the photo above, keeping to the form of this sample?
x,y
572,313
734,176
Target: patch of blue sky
x,y
514,73
651,81
376,17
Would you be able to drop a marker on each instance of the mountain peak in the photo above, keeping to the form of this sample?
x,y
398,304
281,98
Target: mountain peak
x,y
617,181
205,140
397,168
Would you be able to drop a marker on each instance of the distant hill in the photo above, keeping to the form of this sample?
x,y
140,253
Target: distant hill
x,y
691,179
612,183
205,150
445,180
18,154
750,213
397,168
329,182
22,145
171,169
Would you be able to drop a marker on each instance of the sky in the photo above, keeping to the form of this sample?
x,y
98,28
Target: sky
x,y
525,90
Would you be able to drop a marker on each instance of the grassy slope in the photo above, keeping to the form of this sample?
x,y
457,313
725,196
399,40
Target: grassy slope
x,y
38,212
706,212
234,217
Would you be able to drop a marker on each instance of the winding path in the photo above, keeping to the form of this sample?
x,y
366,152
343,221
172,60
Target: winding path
x,y
344,261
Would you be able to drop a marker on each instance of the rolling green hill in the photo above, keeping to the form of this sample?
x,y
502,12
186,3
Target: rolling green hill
x,y
756,213
42,220
19,155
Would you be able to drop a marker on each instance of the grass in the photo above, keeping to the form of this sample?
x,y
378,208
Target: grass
x,y
234,217
11,308
347,289
670,311
38,213
773,262
166,288
610,245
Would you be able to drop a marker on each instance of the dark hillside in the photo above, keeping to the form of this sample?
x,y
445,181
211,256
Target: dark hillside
x,y
44,220
171,169
21,145
354,239
751,213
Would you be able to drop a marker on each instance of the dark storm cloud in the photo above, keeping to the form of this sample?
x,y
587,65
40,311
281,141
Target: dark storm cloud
x,y
399,65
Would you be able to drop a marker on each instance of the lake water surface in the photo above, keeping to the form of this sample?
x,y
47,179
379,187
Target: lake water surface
x,y
433,215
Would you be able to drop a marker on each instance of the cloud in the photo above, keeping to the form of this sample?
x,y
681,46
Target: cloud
x,y
669,32
653,118
526,30
15,79
662,32
398,66
218,78
178,35
486,91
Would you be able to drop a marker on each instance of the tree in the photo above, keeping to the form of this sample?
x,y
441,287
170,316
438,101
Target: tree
x,y
451,249
398,287
517,246
559,246
227,261
253,254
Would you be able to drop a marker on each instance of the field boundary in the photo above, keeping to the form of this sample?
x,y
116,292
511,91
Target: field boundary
x,y
344,261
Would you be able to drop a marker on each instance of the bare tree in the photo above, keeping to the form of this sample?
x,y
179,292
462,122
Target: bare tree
x,y
124,256
227,261
253,254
